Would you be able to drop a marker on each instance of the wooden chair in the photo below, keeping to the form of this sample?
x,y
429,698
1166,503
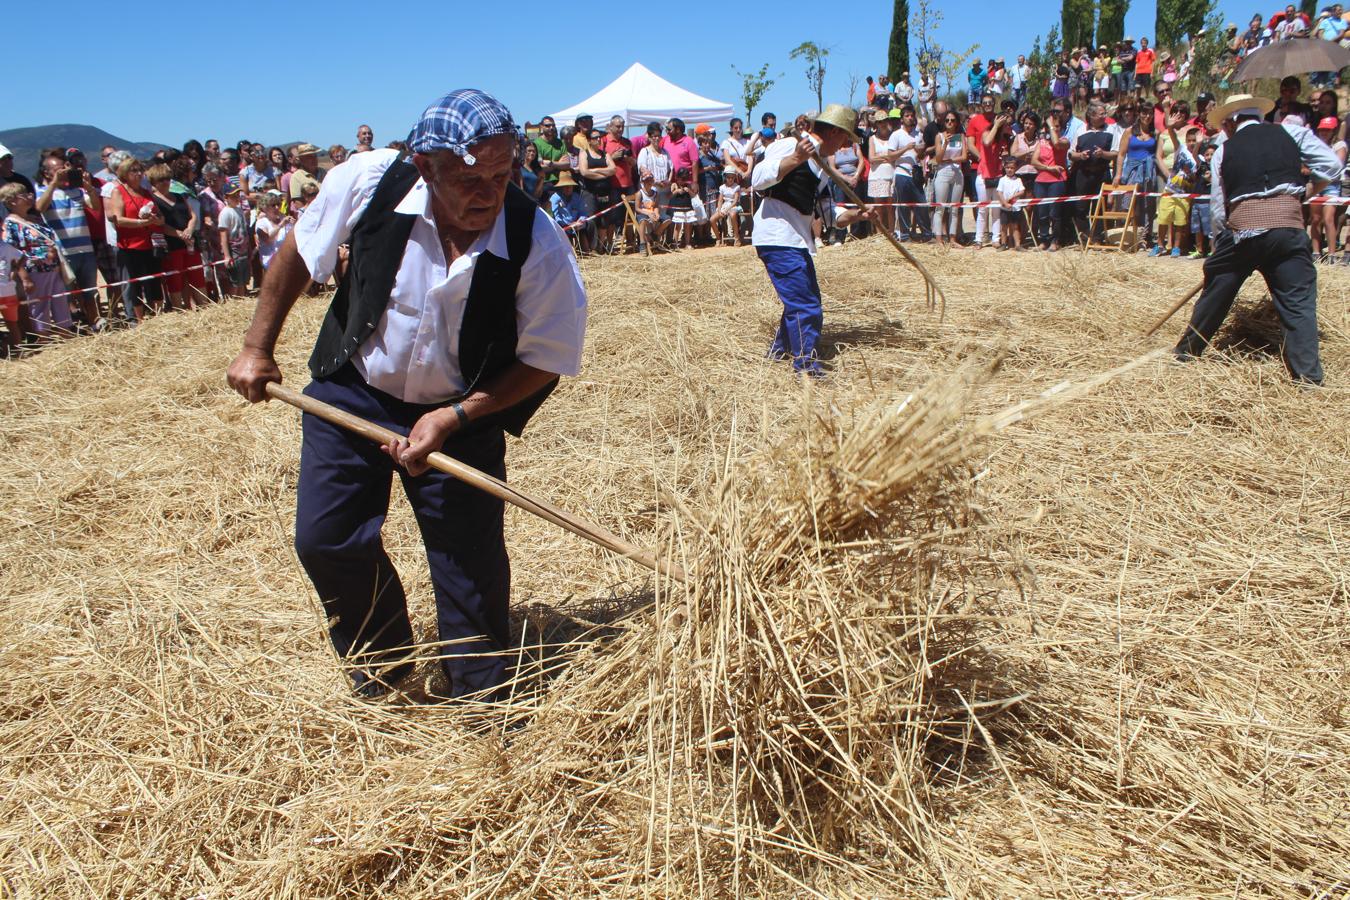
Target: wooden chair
x,y
1105,215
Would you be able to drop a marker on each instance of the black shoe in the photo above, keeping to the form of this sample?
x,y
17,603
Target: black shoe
x,y
382,683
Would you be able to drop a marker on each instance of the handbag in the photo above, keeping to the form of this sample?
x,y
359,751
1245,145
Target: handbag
x,y
67,270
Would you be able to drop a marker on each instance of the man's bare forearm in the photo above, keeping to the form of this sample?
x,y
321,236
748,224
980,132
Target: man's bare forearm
x,y
286,278
513,385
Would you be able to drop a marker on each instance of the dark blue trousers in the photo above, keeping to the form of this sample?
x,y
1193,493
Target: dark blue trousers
x,y
794,278
1283,256
342,500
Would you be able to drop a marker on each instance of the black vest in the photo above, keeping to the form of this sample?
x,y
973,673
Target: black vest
x,y
797,189
1258,158
487,334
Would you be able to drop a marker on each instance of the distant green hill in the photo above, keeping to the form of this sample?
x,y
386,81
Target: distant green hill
x,y
27,144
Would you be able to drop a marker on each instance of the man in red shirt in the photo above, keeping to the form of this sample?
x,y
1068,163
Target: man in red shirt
x,y
681,148
977,125
1143,65
618,146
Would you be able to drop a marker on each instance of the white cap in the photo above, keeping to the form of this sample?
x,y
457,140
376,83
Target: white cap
x,y
4,151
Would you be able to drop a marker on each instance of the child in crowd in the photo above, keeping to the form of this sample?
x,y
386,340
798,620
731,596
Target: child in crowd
x,y
1322,217
272,227
650,224
729,205
1200,218
1010,190
232,230
13,276
1174,207
682,205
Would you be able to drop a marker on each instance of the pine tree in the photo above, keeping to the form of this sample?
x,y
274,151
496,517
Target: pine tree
x,y
1111,22
897,60
1076,20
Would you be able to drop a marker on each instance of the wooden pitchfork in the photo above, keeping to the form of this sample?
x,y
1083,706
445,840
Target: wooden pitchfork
x,y
1176,306
932,293
481,480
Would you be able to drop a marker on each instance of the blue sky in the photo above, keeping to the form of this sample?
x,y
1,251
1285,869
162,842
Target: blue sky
x,y
362,63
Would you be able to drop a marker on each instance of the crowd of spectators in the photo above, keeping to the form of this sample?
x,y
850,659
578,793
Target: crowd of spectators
x,y
197,224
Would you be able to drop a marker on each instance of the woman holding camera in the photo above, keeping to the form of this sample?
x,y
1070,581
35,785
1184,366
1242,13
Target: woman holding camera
x,y
137,220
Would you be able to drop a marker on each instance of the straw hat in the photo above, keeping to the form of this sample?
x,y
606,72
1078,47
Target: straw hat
x,y
306,149
879,114
841,117
565,180
1235,102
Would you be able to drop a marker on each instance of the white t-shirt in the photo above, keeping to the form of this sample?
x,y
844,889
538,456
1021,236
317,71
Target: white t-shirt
x,y
736,148
109,229
1009,187
231,221
729,194
909,144
9,255
270,237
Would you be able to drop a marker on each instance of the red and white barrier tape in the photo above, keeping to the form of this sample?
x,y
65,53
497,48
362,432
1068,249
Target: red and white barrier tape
x,y
139,278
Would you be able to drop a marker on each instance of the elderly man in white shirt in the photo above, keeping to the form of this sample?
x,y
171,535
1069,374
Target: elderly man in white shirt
x,y
461,306
788,179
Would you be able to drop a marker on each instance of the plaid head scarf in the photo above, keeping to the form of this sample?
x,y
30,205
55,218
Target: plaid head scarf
x,y
458,120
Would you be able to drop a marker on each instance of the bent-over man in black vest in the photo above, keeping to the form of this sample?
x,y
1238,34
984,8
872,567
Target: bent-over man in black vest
x,y
1256,211
461,306
789,179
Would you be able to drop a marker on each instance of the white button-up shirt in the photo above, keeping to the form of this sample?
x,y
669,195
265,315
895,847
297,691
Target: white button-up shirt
x,y
777,224
413,354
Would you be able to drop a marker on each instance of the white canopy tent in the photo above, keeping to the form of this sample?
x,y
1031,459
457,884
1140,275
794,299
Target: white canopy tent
x,y
641,96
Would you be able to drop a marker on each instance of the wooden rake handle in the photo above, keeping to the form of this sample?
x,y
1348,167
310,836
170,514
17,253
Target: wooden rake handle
x,y
1173,311
932,293
481,480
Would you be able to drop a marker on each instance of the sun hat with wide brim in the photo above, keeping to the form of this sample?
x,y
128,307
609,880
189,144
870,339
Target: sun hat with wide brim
x,y
1235,102
4,151
565,180
840,116
306,149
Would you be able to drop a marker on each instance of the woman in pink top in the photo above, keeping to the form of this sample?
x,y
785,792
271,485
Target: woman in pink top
x,y
1051,161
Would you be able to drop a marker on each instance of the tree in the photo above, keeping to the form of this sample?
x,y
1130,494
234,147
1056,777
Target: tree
x,y
897,60
1041,64
814,54
1209,57
853,81
933,58
1111,22
1076,18
754,85
1167,27
1180,18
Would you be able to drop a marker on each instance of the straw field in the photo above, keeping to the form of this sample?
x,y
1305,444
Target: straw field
x,y
934,642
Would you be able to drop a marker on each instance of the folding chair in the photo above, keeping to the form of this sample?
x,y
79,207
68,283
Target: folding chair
x,y
1104,215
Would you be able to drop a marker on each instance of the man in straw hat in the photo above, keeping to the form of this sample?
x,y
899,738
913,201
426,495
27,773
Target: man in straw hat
x,y
789,179
461,306
1257,214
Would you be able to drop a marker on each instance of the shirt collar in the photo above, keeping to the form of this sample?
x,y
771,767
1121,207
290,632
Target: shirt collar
x,y
417,202
1244,123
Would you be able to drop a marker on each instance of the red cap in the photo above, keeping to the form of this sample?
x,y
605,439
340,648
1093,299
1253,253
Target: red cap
x,y
1329,122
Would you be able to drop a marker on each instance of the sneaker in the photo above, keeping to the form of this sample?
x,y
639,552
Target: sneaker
x,y
1176,253
1195,254
1156,251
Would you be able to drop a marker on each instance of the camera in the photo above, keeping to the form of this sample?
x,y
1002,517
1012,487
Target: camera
x,y
75,174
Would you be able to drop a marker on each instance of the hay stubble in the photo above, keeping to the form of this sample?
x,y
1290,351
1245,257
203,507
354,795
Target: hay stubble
x,y
1101,650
